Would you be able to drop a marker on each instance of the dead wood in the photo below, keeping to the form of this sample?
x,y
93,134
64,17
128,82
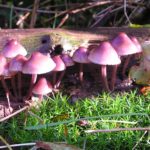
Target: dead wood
x,y
32,38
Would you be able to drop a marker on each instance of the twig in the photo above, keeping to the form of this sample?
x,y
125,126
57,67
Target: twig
x,y
18,145
91,5
5,142
104,10
63,20
34,13
27,9
13,114
125,11
134,12
76,10
99,19
139,141
117,121
118,129
22,19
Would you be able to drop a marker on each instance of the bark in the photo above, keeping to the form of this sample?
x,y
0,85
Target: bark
x,y
32,38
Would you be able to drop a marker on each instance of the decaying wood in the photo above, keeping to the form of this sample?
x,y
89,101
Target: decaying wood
x,y
32,38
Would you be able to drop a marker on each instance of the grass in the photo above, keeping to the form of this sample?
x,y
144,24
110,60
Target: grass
x,y
57,121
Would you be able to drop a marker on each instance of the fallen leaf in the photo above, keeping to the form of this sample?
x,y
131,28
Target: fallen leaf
x,y
145,90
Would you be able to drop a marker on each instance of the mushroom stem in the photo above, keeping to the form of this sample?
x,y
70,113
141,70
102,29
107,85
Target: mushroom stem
x,y
14,86
40,97
113,77
19,84
127,60
81,72
33,80
54,79
104,77
7,91
59,79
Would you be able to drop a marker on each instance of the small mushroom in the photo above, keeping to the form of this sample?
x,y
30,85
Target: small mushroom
x,y
81,56
124,47
104,55
67,60
139,47
4,71
42,87
11,49
60,67
37,64
16,65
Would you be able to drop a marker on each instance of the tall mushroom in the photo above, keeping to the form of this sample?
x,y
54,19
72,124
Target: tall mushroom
x,y
42,87
124,47
4,71
81,56
104,55
60,67
139,47
37,64
16,65
11,50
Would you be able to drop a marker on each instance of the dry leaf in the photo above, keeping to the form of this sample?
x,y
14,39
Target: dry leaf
x,y
145,90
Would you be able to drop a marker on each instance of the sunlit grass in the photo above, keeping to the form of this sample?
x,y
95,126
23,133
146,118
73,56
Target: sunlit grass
x,y
102,112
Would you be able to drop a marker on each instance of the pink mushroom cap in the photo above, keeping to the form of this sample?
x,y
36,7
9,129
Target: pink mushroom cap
x,y
81,55
16,64
4,67
38,64
124,45
67,60
42,87
60,65
104,54
13,48
3,64
137,44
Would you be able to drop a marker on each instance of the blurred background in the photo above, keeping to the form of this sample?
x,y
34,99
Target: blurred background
x,y
73,13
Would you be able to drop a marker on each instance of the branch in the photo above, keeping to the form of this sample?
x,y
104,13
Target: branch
x,y
34,13
27,9
118,129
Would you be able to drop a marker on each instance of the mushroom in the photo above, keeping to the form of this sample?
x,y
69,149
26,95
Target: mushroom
x,y
16,65
81,56
104,55
42,87
67,60
11,49
138,45
60,66
4,71
124,47
37,64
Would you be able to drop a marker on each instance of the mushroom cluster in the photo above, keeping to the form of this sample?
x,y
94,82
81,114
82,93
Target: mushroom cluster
x,y
15,63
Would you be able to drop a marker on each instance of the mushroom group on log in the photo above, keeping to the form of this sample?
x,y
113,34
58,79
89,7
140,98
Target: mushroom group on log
x,y
109,45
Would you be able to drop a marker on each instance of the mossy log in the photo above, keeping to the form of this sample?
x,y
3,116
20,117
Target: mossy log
x,y
34,38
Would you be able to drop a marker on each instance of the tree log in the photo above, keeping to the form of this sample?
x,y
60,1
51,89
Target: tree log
x,y
33,38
